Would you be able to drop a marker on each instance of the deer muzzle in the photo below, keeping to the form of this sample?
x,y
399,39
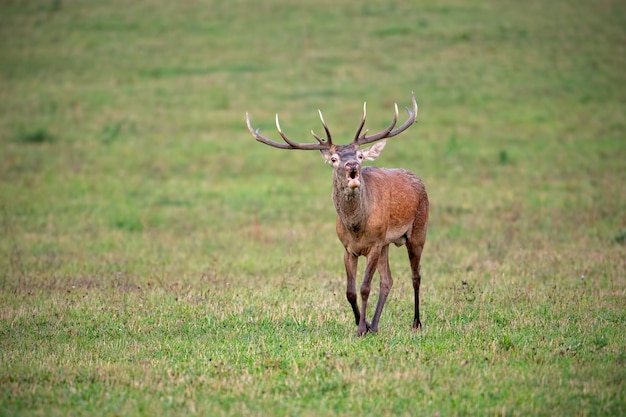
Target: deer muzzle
x,y
352,174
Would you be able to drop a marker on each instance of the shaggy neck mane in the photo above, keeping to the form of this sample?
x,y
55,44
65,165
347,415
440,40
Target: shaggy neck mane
x,y
350,203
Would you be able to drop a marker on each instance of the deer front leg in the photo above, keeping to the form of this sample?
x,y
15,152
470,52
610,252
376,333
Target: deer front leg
x,y
370,268
385,286
351,261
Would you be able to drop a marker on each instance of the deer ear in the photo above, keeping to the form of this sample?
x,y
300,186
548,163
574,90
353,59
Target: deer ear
x,y
374,151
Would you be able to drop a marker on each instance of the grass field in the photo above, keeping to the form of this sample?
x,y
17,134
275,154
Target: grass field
x,y
156,260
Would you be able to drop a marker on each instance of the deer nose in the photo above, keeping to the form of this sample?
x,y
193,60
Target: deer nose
x,y
351,166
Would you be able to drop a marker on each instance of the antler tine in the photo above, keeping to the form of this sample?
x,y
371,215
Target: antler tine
x,y
389,132
380,135
358,132
412,118
289,144
263,139
282,135
328,138
320,140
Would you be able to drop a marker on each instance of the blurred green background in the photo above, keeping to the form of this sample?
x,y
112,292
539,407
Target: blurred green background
x,y
128,175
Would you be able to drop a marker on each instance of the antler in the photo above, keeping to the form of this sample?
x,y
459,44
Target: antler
x,y
389,132
328,143
290,144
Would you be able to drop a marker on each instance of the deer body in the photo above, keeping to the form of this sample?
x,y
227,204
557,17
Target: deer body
x,y
375,207
397,194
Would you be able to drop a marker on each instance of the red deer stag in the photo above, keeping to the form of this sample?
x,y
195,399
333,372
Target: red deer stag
x,y
375,207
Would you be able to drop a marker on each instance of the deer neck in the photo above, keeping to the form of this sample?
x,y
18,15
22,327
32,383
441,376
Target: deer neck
x,y
350,203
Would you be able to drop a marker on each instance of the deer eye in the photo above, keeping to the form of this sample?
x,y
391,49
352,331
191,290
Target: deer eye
x,y
359,155
333,159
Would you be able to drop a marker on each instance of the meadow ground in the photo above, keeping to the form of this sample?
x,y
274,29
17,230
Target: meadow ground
x,y
156,260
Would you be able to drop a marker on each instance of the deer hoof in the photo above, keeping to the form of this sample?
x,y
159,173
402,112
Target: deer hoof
x,y
363,331
417,326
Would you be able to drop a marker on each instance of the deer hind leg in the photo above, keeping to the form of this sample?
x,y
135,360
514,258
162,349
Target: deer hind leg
x,y
351,262
385,286
415,253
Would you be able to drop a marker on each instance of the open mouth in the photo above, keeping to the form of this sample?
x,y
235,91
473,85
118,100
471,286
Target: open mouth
x,y
353,178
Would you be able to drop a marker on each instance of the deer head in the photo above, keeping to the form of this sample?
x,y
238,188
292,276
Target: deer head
x,y
346,160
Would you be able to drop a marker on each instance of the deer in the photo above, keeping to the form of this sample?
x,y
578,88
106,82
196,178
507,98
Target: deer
x,y
375,207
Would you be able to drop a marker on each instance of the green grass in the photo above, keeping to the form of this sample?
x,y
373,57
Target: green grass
x,y
156,260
